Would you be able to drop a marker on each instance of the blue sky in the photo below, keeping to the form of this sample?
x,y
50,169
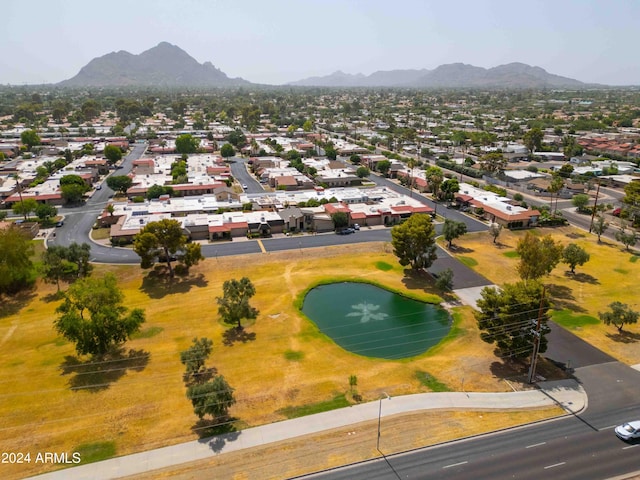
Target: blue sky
x,y
278,41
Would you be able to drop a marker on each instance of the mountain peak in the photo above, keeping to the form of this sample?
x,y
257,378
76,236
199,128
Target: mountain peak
x,y
164,65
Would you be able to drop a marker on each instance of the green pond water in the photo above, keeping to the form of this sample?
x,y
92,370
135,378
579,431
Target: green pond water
x,y
374,322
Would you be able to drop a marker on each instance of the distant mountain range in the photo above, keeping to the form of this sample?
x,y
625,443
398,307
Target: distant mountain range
x,y
164,65
454,75
167,65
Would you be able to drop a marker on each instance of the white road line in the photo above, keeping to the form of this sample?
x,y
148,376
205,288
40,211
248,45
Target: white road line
x,y
454,465
554,465
536,445
630,446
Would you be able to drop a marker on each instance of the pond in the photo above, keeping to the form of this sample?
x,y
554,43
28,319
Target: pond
x,y
374,322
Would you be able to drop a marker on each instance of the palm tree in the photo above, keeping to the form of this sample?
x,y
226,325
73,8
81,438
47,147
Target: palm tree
x,y
16,177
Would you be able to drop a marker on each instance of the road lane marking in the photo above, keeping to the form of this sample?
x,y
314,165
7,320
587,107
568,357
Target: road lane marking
x,y
454,465
555,465
264,250
628,447
536,445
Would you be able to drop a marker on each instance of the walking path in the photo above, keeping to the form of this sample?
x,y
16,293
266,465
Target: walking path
x,y
565,393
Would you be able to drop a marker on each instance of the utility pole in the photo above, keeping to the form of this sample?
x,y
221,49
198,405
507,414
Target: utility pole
x,y
379,419
595,204
536,339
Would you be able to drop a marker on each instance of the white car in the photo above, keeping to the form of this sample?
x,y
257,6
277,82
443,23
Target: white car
x,y
629,430
244,186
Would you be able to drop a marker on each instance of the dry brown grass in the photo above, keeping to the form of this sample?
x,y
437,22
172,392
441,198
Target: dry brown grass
x,y
611,274
344,446
145,407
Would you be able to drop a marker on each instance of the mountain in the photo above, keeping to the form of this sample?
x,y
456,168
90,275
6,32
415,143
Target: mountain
x,y
390,78
164,65
511,75
454,75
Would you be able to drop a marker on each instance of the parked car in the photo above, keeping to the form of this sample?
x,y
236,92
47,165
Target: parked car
x,y
345,231
244,186
628,430
356,226
616,212
60,223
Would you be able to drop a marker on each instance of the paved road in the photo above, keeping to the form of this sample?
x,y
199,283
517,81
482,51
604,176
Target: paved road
x,y
582,446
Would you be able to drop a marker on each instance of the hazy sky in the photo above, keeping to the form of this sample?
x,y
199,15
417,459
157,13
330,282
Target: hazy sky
x,y
278,41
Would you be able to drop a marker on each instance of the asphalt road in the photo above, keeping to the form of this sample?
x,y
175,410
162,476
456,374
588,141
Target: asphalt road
x,y
576,447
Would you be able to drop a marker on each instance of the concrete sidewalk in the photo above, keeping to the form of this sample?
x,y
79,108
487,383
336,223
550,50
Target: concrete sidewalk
x,y
566,393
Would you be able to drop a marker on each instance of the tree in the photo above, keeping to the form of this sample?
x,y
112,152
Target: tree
x,y
355,159
30,138
434,177
194,359
119,183
493,162
93,317
340,220
494,231
507,315
45,212
452,230
533,139
25,207
156,191
580,201
619,315
449,188
187,143
237,138
211,398
445,280
414,242
55,266
362,172
227,150
557,183
383,167
537,256
73,187
73,193
113,154
234,305
626,238
566,170
161,241
600,226
16,268
574,255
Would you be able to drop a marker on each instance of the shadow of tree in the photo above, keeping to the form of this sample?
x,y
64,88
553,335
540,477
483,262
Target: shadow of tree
x,y
216,433
96,374
458,249
575,235
563,297
624,337
12,304
156,284
53,297
417,279
237,335
582,277
507,368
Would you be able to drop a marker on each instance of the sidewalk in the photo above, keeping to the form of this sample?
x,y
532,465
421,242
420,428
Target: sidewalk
x,y
566,393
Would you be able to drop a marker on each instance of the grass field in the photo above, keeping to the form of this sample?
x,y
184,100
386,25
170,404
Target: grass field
x,y
52,401
611,274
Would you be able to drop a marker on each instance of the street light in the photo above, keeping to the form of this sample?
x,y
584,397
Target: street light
x,y
379,417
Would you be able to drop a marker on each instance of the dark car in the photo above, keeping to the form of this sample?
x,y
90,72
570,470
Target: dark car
x,y
60,223
345,231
